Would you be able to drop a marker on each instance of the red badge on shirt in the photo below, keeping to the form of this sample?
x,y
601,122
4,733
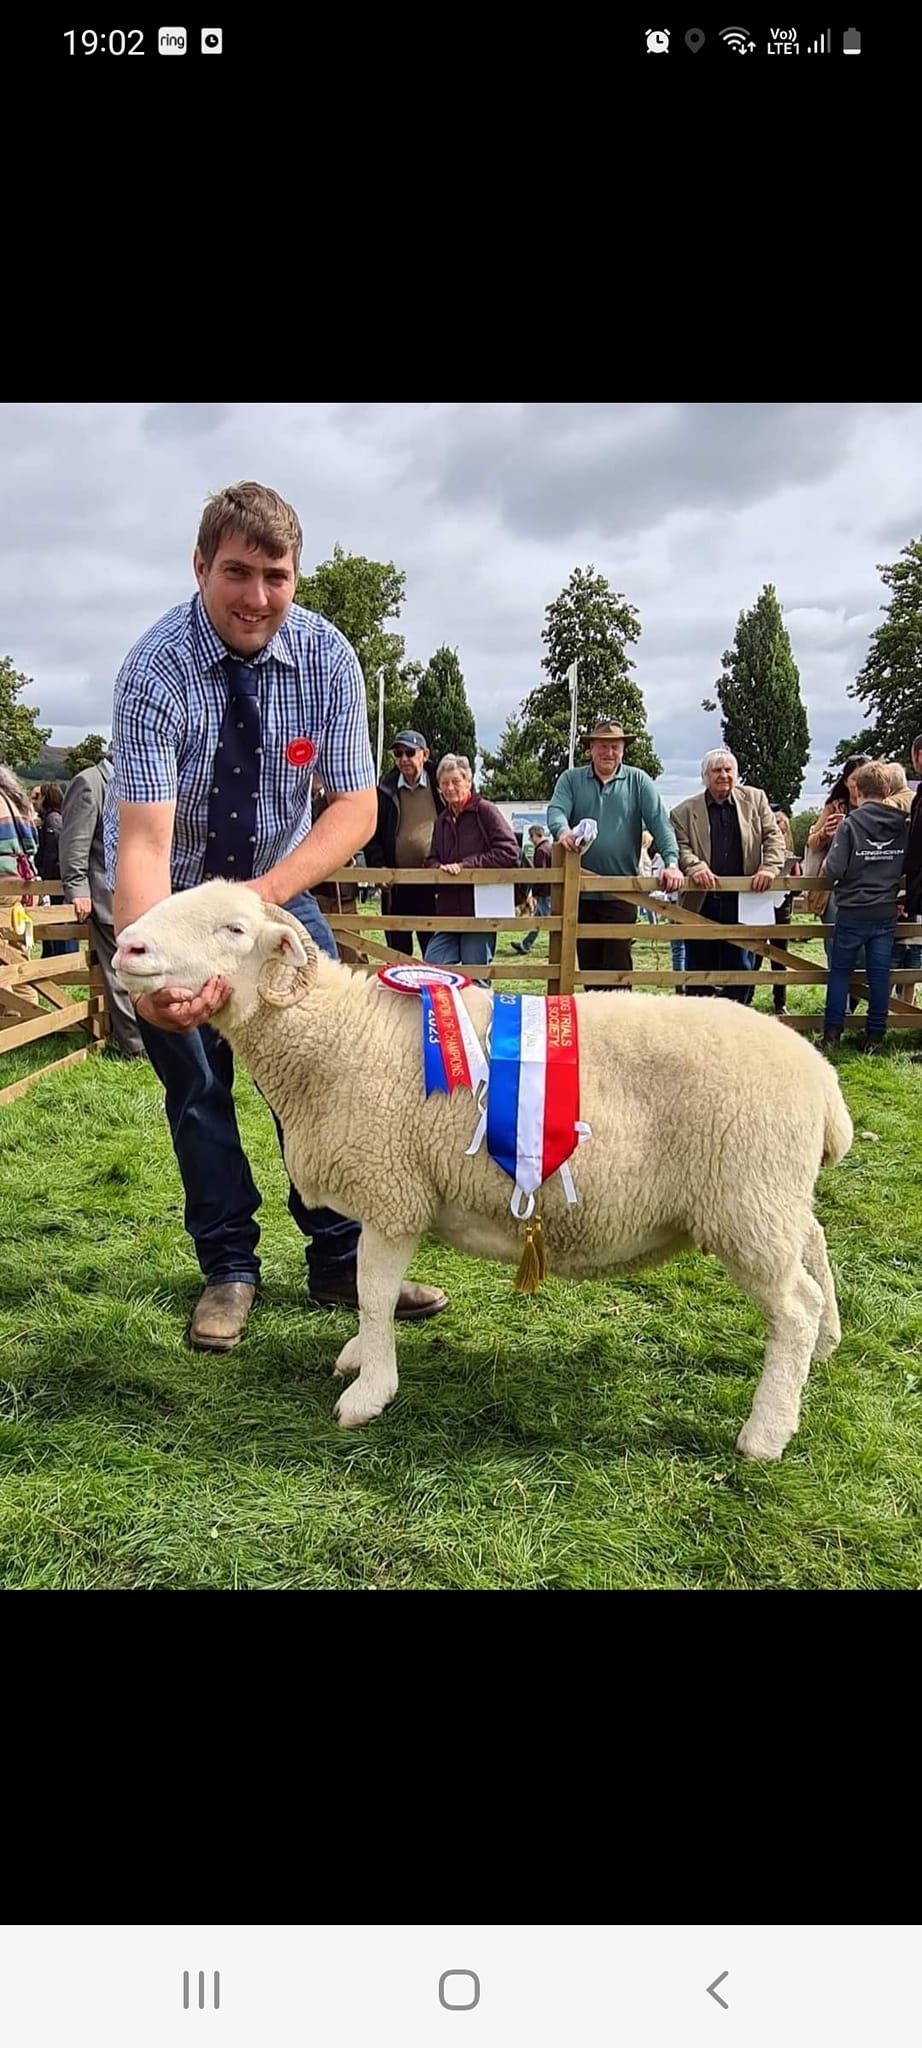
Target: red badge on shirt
x,y
300,753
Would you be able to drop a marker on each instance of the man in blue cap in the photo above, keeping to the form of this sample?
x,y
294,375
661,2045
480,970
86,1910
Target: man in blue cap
x,y
408,805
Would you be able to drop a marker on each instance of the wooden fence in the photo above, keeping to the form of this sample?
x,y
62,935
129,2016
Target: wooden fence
x,y
560,974
25,980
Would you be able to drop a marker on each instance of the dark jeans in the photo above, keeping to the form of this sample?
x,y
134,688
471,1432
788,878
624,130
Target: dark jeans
x,y
197,1071
782,916
51,947
713,956
597,956
410,899
847,941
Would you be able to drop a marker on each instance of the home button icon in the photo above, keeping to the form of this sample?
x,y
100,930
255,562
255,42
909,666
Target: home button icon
x,y
459,1990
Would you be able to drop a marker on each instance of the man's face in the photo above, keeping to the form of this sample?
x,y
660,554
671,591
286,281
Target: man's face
x,y
606,757
720,781
247,593
411,762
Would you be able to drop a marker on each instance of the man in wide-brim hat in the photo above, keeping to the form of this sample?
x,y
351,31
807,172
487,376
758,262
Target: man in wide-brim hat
x,y
624,802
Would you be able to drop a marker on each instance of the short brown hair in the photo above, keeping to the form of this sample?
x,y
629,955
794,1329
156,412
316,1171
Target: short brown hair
x,y
873,779
259,514
52,796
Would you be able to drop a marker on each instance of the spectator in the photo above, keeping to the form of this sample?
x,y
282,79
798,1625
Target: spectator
x,y
543,856
728,830
469,833
227,701
906,952
18,835
792,866
913,904
83,873
866,860
49,860
621,800
408,806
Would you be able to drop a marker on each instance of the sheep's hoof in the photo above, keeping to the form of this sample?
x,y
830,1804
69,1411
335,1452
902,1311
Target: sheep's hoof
x,y
827,1342
357,1406
754,1442
348,1360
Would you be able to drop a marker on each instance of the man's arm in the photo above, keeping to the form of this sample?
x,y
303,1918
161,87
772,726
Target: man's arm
x,y
656,819
79,819
345,827
836,863
145,840
774,851
560,810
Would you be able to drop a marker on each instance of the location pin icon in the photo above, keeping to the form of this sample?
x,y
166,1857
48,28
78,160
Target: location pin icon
x,y
695,38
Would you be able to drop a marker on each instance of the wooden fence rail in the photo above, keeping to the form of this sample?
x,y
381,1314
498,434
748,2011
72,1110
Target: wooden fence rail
x,y
27,982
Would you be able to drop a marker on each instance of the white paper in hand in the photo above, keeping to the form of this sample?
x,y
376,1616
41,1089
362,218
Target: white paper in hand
x,y
759,909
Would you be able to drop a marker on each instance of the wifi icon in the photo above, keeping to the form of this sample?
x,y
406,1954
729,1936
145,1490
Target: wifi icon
x,y
737,39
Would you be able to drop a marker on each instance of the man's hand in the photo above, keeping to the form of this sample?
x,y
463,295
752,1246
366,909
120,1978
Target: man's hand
x,y
566,839
763,879
702,876
177,1009
450,867
672,879
81,908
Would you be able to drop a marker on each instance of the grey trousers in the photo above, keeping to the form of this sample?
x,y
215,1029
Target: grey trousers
x,y
122,1019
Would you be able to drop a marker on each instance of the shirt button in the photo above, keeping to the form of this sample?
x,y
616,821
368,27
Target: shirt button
x,y
215,791
252,839
255,797
257,750
240,725
236,772
220,743
212,835
230,857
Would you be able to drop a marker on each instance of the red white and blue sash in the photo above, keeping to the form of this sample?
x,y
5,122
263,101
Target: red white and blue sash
x,y
533,1121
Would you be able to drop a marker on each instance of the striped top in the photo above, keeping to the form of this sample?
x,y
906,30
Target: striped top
x,y
17,836
170,699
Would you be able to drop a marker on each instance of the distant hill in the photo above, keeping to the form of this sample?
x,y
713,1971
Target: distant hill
x,y
47,767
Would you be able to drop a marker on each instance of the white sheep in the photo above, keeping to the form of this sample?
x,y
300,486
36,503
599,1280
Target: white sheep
x,y
709,1127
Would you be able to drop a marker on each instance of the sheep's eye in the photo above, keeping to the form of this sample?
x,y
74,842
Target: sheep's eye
x,y
239,930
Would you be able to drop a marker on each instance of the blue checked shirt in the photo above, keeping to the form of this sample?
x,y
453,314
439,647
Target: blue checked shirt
x,y
170,699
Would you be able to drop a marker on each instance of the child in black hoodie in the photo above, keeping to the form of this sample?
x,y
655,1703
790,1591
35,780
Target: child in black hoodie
x,y
866,862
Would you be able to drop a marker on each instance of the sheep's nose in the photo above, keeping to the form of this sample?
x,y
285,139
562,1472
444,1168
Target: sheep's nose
x,y
135,950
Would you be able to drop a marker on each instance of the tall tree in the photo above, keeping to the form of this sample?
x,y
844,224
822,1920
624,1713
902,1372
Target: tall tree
x,y
513,771
86,754
21,738
359,596
441,710
889,686
594,625
764,719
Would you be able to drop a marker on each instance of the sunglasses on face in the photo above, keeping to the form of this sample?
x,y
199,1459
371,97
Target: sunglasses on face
x,y
405,753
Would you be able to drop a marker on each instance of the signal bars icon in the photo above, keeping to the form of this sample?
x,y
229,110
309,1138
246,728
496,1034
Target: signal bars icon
x,y
201,1990
822,47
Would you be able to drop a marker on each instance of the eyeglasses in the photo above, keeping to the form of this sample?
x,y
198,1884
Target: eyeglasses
x,y
405,753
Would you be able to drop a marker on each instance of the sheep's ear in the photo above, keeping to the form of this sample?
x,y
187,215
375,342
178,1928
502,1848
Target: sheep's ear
x,y
289,970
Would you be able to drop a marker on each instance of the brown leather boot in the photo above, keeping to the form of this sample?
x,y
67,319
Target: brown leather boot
x,y
414,1303
221,1315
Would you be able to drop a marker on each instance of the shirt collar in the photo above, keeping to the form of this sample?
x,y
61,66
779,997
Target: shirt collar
x,y
715,803
612,778
422,781
210,644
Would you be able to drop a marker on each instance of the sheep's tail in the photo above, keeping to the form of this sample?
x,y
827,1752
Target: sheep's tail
x,y
838,1129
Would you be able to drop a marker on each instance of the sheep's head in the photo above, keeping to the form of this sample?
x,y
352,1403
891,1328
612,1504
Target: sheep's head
x,y
222,929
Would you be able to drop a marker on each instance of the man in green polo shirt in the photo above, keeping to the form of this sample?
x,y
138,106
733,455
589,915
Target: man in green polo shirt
x,y
624,803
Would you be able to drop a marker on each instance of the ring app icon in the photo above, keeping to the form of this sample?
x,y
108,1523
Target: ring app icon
x,y
171,42
212,42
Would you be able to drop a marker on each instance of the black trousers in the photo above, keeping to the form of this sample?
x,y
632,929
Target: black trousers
x,y
410,899
598,956
782,916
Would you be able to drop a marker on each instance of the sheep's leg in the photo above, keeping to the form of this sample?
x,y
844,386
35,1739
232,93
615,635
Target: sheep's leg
x,y
349,1360
793,1305
382,1263
817,1264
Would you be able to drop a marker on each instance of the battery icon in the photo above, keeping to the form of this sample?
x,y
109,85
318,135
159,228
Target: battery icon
x,y
851,43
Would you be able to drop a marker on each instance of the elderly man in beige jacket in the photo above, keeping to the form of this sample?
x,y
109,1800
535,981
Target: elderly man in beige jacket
x,y
727,830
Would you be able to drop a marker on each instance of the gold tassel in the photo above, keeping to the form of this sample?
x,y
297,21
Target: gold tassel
x,y
533,1263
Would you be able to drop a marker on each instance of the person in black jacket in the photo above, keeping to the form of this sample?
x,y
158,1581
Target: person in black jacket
x,y
49,859
408,805
912,907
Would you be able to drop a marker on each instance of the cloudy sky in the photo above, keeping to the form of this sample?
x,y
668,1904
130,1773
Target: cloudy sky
x,y
687,509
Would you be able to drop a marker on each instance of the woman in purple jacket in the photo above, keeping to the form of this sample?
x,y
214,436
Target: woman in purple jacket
x,y
469,833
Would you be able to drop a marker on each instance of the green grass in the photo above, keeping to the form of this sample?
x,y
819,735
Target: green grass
x,y
580,1438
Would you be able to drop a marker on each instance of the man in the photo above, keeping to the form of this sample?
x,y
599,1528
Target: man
x,y
621,800
83,874
913,904
220,712
409,802
543,850
725,831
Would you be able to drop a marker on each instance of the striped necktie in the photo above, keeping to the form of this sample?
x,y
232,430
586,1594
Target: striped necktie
x,y
235,779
